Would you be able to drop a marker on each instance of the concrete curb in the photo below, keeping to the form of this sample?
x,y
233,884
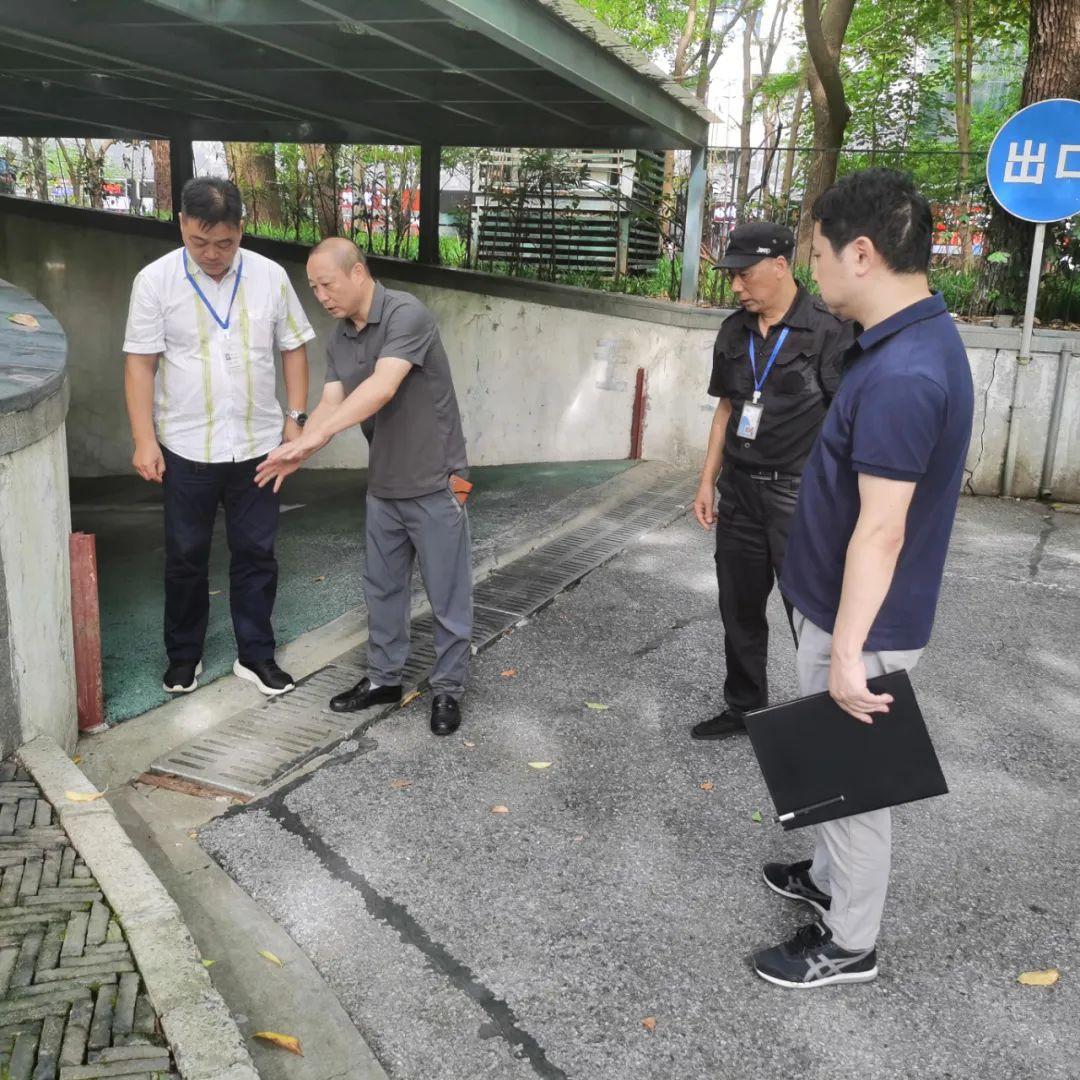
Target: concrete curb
x,y
205,1041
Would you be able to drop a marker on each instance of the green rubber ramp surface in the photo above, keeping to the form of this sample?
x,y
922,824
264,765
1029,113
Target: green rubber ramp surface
x,y
320,555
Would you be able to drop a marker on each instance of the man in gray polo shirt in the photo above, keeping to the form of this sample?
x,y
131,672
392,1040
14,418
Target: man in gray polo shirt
x,y
387,371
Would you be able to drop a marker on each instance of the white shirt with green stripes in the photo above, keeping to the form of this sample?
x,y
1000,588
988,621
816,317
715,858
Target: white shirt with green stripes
x,y
215,393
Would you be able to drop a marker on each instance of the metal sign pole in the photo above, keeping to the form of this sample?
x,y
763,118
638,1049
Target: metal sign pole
x,y
1033,291
1024,358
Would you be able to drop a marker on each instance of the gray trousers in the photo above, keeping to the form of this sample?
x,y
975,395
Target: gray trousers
x,y
434,529
853,854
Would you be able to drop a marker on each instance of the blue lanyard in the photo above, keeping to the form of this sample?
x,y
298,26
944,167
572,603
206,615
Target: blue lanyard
x,y
202,296
759,383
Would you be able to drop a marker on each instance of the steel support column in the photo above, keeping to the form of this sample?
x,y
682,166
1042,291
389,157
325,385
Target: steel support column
x,y
695,220
181,169
430,182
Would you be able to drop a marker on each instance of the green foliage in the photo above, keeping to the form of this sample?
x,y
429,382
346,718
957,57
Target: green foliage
x,y
653,26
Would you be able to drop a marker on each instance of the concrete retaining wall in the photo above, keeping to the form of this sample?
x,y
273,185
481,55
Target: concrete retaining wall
x,y
544,373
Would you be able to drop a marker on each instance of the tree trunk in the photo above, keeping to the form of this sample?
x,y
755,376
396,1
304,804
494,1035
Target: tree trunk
x,y
824,39
705,73
34,152
74,173
321,161
159,152
253,170
746,118
963,63
682,53
1052,71
793,138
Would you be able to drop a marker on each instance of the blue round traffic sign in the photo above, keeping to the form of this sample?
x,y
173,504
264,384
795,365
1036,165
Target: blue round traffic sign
x,y
1033,167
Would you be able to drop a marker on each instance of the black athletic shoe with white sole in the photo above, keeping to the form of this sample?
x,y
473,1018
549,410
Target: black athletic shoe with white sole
x,y
266,675
182,677
793,881
811,958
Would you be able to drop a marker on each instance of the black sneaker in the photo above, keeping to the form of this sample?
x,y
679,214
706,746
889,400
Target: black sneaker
x,y
811,958
266,675
719,727
182,677
793,881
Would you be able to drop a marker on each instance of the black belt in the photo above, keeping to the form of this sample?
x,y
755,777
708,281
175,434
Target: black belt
x,y
764,474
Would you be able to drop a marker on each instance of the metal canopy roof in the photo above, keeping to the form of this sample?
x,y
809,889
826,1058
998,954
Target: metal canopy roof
x,y
449,72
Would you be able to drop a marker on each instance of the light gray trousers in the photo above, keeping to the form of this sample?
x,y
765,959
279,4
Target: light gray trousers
x,y
853,854
434,529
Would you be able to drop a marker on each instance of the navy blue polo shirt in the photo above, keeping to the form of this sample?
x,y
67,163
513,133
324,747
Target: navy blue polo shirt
x,y
903,412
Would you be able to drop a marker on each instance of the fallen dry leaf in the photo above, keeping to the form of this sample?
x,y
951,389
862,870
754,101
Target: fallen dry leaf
x,y
500,809
539,764
1039,978
400,785
286,1042
509,673
26,321
267,955
408,698
468,744
706,786
649,1023
76,759
82,796
596,706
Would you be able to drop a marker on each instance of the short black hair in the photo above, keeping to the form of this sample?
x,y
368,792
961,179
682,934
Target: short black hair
x,y
212,200
884,206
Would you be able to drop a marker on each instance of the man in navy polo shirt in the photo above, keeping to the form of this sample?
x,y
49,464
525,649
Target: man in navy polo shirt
x,y
871,531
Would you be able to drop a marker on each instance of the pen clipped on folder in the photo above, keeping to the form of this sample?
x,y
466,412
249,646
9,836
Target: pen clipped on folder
x,y
792,814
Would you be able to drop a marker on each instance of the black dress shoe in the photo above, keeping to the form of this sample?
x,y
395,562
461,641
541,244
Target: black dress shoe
x,y
266,675
363,696
445,715
719,727
182,676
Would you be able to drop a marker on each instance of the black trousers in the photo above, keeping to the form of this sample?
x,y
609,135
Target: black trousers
x,y
193,492
752,525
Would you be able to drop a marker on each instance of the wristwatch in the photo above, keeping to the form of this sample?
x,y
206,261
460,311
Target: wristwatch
x,y
297,415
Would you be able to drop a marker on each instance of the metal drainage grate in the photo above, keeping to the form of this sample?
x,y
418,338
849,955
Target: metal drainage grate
x,y
254,749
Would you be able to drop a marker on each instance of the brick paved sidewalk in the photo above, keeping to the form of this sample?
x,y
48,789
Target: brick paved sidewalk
x,y
72,1004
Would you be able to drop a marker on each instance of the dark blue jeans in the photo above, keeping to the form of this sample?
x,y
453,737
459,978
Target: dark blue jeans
x,y
193,492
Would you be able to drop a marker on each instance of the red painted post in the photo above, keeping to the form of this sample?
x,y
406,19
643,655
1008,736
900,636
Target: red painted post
x,y
86,623
637,421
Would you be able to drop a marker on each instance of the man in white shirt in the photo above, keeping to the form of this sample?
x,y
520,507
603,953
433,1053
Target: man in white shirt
x,y
200,384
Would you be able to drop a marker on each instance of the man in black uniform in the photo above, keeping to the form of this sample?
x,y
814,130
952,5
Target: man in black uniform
x,y
776,366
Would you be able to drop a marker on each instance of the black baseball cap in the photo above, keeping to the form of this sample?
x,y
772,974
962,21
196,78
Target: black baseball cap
x,y
750,243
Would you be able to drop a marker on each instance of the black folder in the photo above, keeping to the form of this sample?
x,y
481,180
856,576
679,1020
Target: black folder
x,y
820,763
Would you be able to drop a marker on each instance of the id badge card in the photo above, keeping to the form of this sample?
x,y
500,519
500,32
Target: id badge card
x,y
750,420
233,359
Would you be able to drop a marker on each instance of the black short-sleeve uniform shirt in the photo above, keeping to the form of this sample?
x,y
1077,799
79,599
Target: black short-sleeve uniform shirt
x,y
415,439
798,389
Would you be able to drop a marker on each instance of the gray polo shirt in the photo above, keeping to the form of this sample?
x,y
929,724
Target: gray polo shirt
x,y
416,439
